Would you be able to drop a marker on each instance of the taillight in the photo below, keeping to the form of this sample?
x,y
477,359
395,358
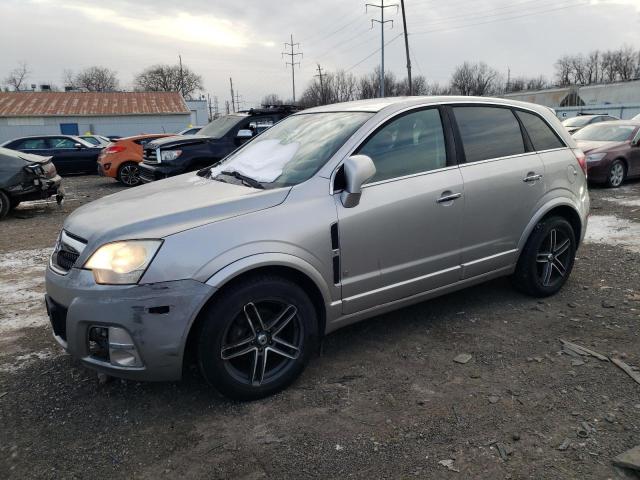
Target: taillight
x,y
582,159
114,149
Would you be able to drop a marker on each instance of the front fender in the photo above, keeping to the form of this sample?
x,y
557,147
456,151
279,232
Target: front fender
x,y
271,259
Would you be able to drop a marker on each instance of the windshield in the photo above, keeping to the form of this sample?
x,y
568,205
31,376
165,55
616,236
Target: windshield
x,y
91,140
220,126
605,133
293,150
577,121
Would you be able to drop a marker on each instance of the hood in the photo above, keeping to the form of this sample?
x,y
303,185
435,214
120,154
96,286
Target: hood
x,y
592,146
177,140
165,207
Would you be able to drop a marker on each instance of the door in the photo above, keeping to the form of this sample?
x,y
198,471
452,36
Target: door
x,y
73,159
69,129
403,237
503,183
634,155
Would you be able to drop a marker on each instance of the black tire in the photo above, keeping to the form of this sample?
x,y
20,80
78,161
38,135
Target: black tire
x,y
129,174
617,174
538,274
5,204
246,343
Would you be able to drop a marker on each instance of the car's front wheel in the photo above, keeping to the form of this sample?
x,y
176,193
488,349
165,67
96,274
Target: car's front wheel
x,y
5,204
547,258
129,174
257,337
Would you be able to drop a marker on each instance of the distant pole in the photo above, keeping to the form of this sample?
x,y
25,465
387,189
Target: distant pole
x,y
322,92
406,46
210,107
181,76
227,106
293,63
233,101
382,21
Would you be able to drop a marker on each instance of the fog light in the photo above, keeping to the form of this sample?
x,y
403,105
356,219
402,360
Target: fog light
x,y
106,166
122,351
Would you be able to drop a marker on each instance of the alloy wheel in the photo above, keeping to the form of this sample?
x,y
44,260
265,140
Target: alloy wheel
x,y
616,175
129,174
553,258
262,342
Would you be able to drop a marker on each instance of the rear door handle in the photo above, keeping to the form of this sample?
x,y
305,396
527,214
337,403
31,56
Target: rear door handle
x,y
448,197
532,177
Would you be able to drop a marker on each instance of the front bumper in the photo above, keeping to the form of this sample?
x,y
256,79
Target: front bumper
x,y
156,317
151,173
598,172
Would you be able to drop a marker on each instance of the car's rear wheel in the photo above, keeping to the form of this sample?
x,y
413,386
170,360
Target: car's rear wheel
x,y
547,258
617,174
4,204
129,174
257,337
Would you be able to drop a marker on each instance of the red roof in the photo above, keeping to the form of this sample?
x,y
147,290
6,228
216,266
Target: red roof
x,y
40,104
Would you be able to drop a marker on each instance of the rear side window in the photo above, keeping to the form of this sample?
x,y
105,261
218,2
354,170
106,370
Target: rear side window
x,y
31,144
488,132
541,135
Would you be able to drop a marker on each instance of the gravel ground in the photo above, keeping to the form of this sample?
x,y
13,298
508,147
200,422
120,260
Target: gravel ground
x,y
384,400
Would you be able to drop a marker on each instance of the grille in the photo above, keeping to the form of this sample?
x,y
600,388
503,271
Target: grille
x,y
66,253
150,156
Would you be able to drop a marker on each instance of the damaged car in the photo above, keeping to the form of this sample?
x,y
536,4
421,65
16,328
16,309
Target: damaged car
x,y
24,176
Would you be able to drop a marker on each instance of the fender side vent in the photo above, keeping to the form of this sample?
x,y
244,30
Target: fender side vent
x,y
336,269
335,241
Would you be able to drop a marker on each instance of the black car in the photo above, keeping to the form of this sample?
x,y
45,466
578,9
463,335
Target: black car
x,y
70,154
171,156
26,177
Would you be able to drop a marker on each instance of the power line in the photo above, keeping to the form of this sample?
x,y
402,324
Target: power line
x,y
293,63
342,43
382,22
373,53
501,19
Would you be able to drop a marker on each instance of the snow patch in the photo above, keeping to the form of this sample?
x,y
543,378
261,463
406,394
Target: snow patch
x,y
23,361
611,230
624,202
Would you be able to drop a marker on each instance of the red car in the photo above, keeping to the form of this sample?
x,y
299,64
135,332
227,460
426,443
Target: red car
x,y
612,150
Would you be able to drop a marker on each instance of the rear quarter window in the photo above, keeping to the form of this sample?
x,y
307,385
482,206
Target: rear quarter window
x,y
541,135
488,132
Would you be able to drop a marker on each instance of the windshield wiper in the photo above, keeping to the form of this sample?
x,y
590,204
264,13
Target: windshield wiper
x,y
246,180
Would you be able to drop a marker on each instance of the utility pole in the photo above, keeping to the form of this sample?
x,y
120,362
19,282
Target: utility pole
x,y
210,107
233,102
293,63
181,76
508,79
227,106
323,96
406,46
238,101
216,113
382,21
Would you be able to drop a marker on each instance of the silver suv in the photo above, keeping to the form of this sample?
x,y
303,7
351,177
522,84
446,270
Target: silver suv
x,y
334,215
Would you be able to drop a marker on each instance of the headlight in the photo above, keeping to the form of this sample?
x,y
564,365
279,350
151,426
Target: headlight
x,y
169,155
595,157
122,263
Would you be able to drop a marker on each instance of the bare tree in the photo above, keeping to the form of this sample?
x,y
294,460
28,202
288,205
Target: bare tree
x,y
272,99
18,77
625,61
169,78
94,79
475,79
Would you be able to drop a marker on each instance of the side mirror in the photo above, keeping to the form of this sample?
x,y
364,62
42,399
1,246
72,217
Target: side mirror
x,y
244,134
78,146
357,170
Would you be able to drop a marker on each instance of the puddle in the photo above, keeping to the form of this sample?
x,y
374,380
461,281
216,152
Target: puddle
x,y
612,230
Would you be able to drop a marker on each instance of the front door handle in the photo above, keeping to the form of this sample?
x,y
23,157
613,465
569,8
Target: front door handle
x,y
448,197
532,177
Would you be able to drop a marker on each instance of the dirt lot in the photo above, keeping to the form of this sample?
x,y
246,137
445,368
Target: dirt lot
x,y
385,400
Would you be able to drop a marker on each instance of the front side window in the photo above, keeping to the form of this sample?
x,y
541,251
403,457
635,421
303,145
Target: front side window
x,y
540,134
412,143
293,150
488,132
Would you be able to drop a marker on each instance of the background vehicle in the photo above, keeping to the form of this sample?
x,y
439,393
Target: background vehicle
x,y
576,123
331,216
70,154
120,158
180,154
190,130
26,177
96,140
612,150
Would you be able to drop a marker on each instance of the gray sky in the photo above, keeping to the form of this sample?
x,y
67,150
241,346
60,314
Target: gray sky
x,y
244,38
